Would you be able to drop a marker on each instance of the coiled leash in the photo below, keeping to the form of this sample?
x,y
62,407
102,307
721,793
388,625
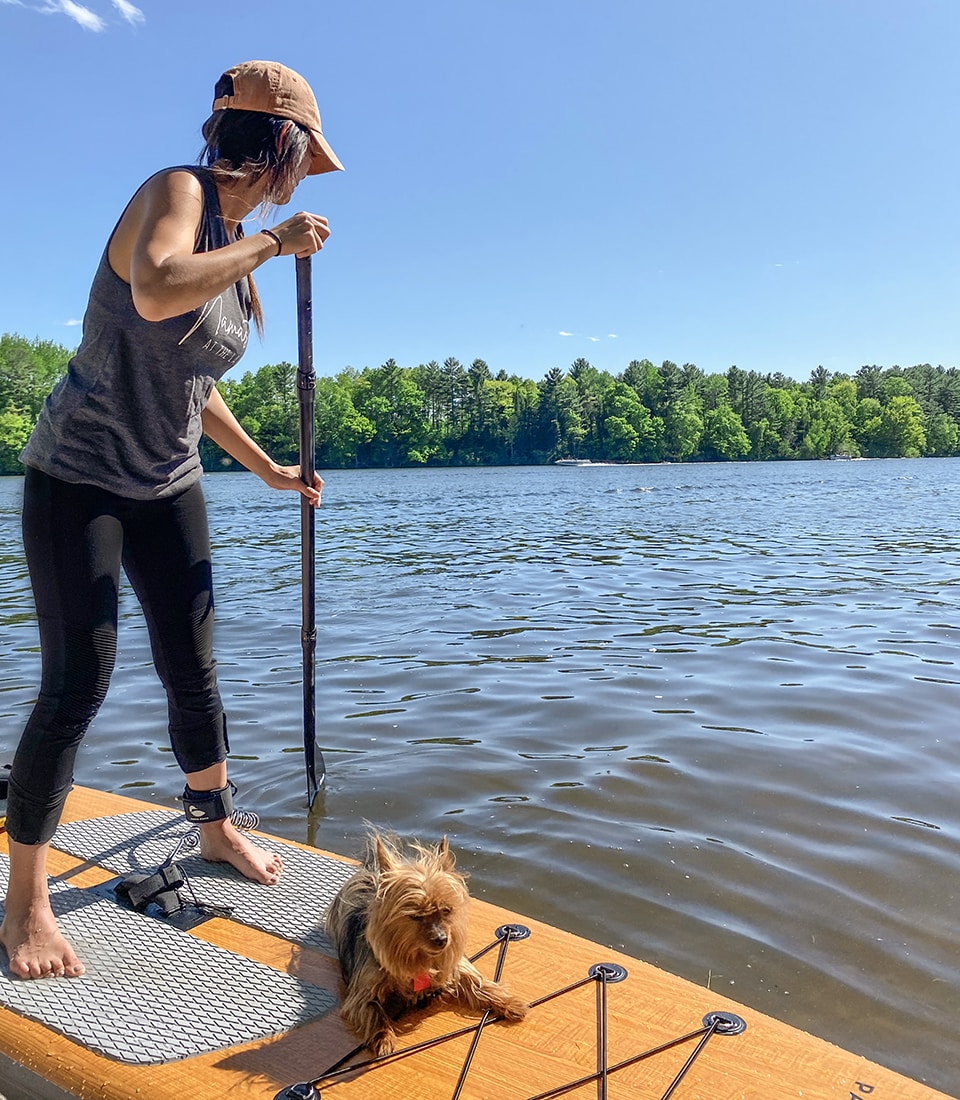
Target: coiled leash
x,y
162,888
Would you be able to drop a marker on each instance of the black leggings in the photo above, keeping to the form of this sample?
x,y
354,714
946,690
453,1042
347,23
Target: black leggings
x,y
76,539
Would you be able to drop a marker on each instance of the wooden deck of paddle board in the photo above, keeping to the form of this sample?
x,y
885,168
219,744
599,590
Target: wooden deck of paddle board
x,y
556,1044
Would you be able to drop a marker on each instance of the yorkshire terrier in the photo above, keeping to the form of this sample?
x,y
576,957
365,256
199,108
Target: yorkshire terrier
x,y
399,927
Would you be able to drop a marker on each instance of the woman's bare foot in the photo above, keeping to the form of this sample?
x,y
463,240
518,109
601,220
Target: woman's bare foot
x,y
36,947
33,941
222,842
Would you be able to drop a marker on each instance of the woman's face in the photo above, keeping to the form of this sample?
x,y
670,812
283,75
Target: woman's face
x,y
300,175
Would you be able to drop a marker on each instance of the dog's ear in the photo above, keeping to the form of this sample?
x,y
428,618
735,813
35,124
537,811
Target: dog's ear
x,y
445,857
385,855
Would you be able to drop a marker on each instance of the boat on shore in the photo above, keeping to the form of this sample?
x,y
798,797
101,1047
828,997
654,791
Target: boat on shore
x,y
236,995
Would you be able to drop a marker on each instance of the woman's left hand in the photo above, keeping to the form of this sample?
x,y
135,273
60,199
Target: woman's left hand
x,y
288,477
227,432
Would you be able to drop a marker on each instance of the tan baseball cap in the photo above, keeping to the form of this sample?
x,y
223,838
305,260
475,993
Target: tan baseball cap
x,y
273,89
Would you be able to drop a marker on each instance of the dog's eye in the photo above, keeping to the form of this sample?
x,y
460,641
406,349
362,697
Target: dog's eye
x,y
418,917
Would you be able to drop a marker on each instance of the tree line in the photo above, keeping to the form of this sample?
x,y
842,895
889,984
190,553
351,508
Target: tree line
x,y
450,414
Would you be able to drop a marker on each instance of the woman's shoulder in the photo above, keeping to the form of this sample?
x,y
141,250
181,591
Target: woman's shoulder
x,y
182,178
173,197
179,192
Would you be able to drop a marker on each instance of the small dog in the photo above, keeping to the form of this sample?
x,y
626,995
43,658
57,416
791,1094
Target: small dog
x,y
399,926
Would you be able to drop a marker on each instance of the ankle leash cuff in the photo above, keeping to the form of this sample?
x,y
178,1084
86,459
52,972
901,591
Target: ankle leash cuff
x,y
203,807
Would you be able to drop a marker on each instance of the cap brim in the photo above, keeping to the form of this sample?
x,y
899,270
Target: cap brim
x,y
324,158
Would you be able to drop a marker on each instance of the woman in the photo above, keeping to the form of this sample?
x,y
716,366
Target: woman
x,y
113,475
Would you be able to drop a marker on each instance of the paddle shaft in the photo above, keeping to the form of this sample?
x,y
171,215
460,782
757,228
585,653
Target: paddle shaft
x,y
306,390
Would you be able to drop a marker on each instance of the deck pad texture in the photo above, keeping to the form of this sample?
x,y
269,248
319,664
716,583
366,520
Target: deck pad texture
x,y
152,993
294,909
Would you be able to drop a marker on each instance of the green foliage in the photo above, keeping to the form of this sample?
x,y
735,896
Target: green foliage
x,y
447,414
15,429
724,436
29,369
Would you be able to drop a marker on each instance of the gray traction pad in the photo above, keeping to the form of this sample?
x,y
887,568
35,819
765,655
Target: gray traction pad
x,y
152,993
294,909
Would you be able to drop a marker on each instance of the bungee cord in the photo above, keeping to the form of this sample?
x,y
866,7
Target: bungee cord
x,y
602,975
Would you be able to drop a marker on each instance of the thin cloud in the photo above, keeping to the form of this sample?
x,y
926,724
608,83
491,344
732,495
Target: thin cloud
x,y
128,11
592,339
73,321
83,15
87,19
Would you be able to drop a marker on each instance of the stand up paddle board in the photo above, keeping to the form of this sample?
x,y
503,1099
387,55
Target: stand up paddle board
x,y
234,993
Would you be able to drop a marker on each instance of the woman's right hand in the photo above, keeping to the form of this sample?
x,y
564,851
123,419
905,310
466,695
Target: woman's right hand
x,y
302,235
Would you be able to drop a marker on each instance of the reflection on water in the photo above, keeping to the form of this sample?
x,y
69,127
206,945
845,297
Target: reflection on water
x,y
704,714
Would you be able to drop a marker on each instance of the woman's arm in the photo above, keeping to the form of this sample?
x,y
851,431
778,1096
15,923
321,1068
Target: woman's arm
x,y
152,248
225,430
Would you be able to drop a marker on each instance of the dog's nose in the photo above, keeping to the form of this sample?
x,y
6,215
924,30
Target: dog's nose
x,y
438,936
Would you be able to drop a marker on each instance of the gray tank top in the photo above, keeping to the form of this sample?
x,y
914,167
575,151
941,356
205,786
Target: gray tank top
x,y
126,416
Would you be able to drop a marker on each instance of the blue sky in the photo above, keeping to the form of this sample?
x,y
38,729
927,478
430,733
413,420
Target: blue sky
x,y
767,183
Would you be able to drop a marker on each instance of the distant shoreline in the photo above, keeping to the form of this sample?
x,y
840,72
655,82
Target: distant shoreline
x,y
586,464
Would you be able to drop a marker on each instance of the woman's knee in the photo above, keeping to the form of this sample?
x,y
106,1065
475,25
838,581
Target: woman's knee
x,y
77,668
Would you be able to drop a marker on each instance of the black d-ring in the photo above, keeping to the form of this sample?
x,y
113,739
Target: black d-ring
x,y
726,1023
302,1091
611,972
512,932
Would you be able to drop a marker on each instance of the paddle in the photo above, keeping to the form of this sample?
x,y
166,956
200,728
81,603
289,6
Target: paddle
x,y
306,388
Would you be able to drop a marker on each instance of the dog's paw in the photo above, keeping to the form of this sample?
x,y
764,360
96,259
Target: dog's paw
x,y
383,1043
501,1002
511,1008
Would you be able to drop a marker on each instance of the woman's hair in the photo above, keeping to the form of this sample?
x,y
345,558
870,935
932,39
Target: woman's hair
x,y
248,145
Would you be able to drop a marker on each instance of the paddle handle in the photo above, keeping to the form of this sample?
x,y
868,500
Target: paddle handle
x,y
306,377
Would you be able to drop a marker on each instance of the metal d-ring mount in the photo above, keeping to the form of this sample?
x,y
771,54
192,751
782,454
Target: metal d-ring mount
x,y
725,1023
608,972
512,932
302,1091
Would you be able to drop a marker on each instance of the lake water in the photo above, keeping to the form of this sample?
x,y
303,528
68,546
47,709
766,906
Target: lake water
x,y
705,714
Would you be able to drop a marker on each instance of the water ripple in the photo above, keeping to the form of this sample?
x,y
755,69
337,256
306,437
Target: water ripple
x,y
701,713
